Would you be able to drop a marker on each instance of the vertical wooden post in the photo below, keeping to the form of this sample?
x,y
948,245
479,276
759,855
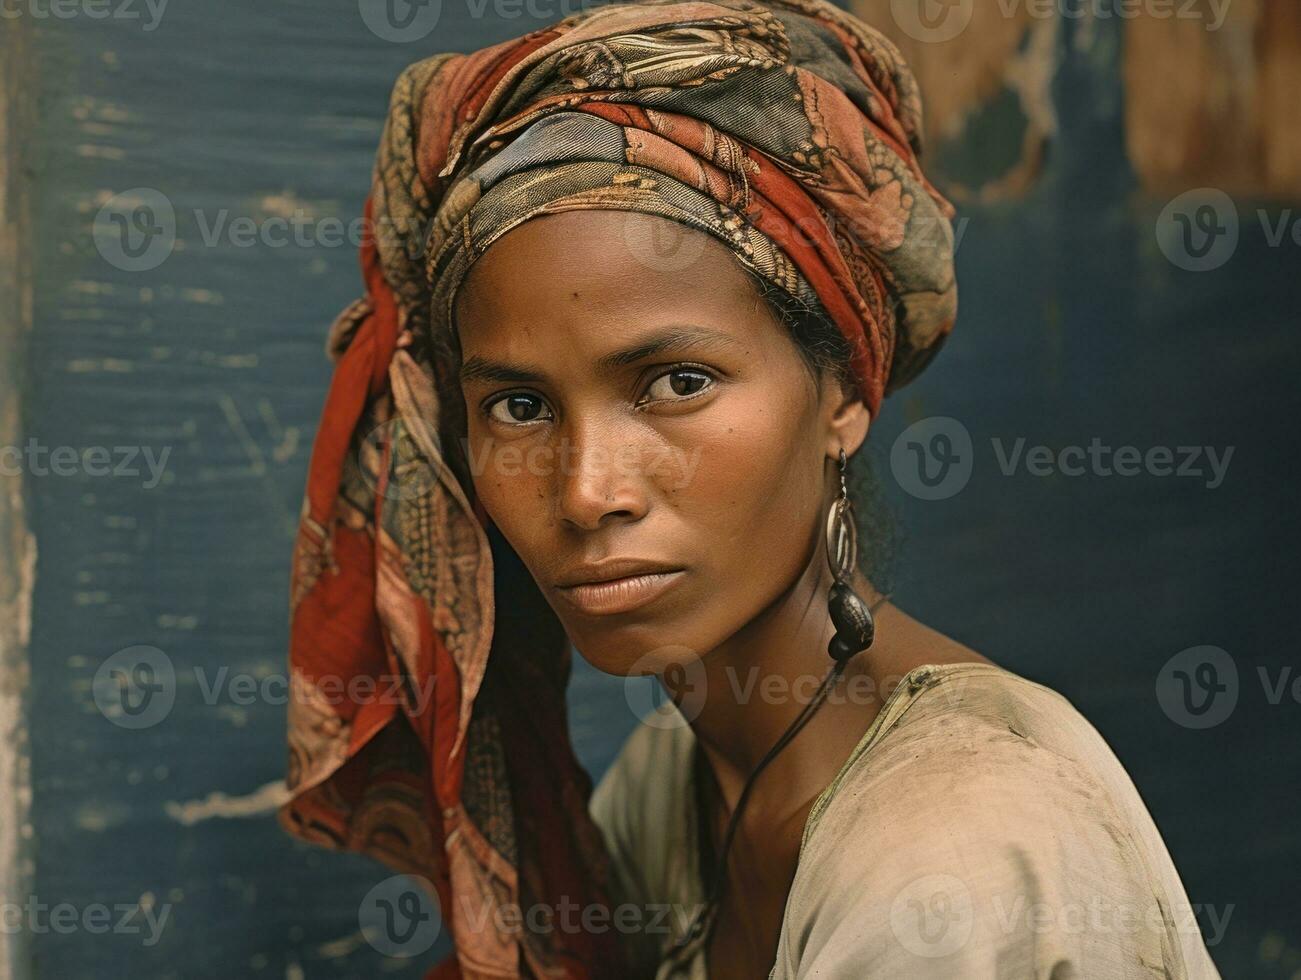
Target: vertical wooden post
x,y
17,548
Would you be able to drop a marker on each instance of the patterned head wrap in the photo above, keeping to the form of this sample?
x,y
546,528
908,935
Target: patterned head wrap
x,y
790,131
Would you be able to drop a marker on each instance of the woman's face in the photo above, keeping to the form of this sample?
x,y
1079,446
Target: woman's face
x,y
637,414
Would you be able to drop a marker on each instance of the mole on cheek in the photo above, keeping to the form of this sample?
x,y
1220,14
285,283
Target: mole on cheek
x,y
575,294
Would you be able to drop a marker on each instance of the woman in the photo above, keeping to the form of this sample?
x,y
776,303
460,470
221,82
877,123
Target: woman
x,y
638,287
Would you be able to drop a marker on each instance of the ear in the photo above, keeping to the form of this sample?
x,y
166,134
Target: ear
x,y
847,418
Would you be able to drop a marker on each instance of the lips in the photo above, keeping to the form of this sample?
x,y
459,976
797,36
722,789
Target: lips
x,y
617,585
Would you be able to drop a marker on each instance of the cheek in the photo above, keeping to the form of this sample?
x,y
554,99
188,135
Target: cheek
x,y
508,487
756,490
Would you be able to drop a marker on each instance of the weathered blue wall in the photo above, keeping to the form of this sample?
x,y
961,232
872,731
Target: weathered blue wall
x,y
1074,325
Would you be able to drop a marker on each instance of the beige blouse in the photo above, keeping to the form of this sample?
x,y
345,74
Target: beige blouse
x,y
981,828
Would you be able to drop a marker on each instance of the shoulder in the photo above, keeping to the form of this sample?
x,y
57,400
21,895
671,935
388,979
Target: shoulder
x,y
971,733
974,756
991,826
648,776
971,728
641,805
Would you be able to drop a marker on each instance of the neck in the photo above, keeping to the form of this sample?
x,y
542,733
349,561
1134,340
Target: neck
x,y
759,681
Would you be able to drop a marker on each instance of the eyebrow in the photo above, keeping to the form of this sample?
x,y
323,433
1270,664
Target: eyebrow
x,y
482,369
667,340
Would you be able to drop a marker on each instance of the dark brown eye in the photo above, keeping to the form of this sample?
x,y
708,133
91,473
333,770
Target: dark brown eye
x,y
519,408
678,383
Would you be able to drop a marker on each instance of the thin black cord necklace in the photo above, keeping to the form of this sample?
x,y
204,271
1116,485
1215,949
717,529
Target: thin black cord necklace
x,y
855,630
706,916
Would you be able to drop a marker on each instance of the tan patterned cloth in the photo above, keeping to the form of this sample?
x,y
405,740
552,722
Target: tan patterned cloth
x,y
789,131
981,828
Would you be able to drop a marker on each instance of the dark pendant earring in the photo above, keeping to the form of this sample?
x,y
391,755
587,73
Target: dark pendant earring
x,y
849,613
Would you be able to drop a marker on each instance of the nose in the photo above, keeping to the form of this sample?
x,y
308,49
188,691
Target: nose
x,y
600,479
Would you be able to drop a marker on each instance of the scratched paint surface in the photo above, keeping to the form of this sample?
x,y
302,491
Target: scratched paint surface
x,y
1073,326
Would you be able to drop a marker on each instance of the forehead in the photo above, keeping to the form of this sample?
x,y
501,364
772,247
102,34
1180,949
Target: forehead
x,y
602,267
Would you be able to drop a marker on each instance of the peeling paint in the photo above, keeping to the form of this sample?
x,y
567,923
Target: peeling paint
x,y
988,87
261,802
1230,122
106,365
99,817
94,151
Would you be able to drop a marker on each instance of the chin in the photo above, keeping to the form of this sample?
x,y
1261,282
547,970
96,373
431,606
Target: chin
x,y
640,649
